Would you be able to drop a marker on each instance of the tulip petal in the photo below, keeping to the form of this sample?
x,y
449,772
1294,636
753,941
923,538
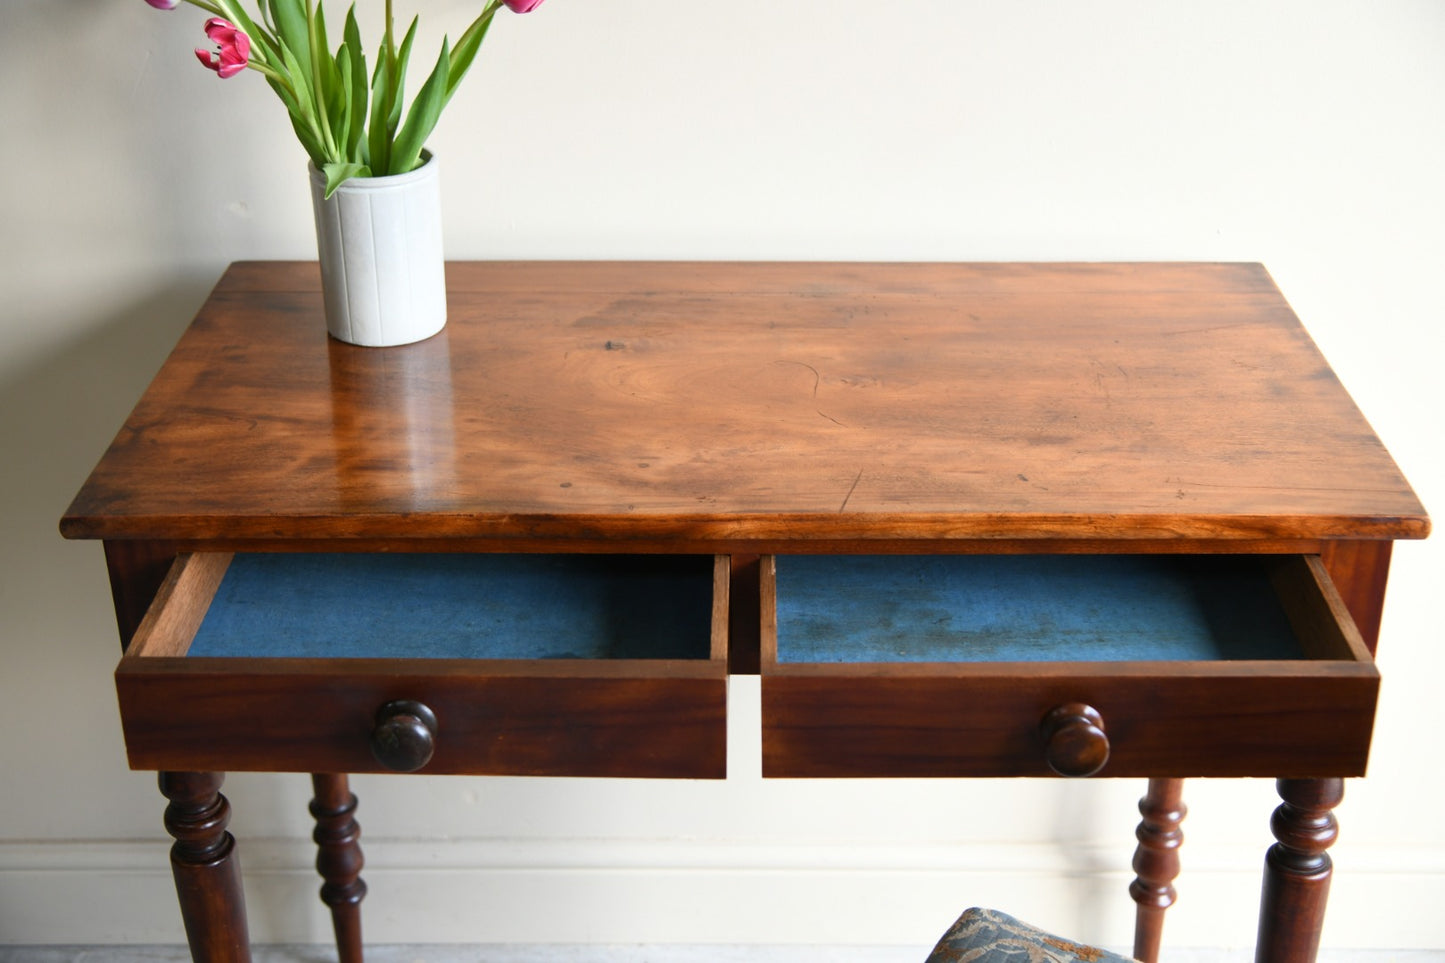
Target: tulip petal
x,y
233,48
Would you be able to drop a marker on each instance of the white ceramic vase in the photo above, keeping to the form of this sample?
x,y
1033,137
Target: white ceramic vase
x,y
380,244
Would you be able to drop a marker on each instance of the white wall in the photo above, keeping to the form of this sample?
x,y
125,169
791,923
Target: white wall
x,y
1307,134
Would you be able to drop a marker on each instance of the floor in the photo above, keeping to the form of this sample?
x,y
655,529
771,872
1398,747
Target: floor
x,y
513,953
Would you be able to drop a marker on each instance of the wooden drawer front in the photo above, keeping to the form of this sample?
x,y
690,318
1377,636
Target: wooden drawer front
x,y
528,664
984,666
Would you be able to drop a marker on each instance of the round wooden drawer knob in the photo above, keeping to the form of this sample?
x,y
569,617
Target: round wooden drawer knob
x,y
405,735
1074,740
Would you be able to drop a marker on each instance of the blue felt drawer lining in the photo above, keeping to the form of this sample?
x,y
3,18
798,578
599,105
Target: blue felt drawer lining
x,y
1028,608
411,606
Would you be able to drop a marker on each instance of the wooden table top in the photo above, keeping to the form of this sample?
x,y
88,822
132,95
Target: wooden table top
x,y
757,407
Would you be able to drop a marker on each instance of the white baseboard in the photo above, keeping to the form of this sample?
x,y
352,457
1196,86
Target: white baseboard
x,y
688,891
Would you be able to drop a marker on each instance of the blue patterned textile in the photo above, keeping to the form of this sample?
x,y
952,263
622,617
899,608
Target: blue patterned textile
x,y
988,936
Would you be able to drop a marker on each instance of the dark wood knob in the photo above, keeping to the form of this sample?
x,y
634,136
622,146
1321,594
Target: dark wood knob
x,y
405,735
1074,740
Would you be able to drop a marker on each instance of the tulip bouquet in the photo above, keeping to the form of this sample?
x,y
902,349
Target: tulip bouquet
x,y
349,125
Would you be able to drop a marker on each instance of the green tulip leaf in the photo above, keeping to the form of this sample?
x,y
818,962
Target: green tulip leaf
x,y
269,52
356,109
352,123
343,121
398,75
425,111
317,31
301,106
386,100
313,147
293,30
378,143
337,174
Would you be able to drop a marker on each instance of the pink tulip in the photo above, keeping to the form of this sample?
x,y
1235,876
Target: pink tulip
x,y
233,48
163,4
522,6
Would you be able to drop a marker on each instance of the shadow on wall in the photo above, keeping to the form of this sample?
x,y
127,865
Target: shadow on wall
x,y
63,409
57,631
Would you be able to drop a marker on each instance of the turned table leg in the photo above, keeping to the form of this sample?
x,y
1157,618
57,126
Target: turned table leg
x,y
1156,861
205,866
339,860
1297,871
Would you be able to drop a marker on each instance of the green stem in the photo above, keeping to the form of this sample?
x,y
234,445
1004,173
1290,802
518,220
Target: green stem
x,y
482,20
237,15
205,5
273,74
390,39
318,92
470,39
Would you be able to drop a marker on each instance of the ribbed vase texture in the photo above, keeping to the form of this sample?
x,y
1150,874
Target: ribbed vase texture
x,y
380,244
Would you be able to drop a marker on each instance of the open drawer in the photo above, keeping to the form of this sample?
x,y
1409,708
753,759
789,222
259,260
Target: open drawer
x,y
506,664
1025,665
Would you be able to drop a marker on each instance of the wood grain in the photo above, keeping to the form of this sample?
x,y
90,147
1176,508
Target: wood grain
x,y
721,608
339,860
1318,614
1156,861
563,718
707,405
1255,719
137,568
180,605
1310,716
1360,570
205,867
1297,871
755,409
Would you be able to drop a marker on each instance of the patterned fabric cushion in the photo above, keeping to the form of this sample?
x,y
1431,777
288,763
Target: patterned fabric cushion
x,y
988,936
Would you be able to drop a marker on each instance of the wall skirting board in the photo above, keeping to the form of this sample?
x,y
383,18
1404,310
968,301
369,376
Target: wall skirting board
x,y
559,890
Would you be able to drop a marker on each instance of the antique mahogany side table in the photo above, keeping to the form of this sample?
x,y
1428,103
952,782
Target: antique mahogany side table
x,y
965,520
